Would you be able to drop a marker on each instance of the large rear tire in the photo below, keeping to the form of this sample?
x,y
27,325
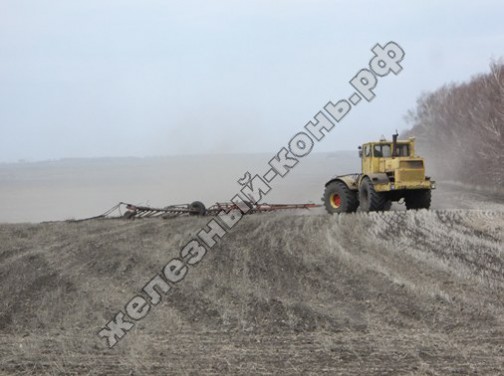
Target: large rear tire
x,y
338,198
418,199
370,200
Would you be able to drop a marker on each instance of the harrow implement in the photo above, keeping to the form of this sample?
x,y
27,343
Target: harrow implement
x,y
196,208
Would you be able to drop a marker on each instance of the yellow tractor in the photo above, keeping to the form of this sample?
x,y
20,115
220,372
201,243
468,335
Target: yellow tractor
x,y
390,172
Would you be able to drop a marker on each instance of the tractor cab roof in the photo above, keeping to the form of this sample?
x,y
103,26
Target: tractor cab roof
x,y
387,142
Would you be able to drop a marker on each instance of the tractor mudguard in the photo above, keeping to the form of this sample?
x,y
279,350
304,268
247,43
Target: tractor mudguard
x,y
378,178
350,181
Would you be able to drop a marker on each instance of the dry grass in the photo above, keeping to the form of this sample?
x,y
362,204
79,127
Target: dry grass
x,y
412,293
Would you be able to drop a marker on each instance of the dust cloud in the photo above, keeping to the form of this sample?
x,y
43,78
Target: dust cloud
x,y
79,188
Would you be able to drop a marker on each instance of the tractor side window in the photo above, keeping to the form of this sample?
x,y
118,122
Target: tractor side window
x,y
377,151
367,151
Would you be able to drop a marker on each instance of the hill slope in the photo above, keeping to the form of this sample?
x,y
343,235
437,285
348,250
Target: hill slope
x,y
417,292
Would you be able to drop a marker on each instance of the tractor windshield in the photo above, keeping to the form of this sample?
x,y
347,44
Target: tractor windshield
x,y
402,150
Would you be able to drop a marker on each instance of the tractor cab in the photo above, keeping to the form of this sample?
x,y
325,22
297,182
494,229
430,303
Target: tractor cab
x,y
385,156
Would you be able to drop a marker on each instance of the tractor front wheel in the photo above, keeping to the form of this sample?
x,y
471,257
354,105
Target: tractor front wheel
x,y
418,199
370,200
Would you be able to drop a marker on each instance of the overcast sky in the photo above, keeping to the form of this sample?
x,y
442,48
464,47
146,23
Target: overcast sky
x,y
141,78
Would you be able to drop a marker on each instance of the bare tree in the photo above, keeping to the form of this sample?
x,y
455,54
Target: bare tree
x,y
460,127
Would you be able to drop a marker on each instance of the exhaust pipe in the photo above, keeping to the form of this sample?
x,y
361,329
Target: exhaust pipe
x,y
394,144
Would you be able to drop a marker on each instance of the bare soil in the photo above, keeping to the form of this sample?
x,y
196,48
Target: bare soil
x,y
411,293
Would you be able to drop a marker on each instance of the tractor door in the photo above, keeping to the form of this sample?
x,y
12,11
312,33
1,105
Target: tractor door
x,y
367,158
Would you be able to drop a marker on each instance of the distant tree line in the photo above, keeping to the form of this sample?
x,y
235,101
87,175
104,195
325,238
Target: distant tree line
x,y
460,129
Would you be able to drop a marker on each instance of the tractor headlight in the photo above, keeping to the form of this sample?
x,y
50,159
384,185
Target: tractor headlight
x,y
392,186
433,185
